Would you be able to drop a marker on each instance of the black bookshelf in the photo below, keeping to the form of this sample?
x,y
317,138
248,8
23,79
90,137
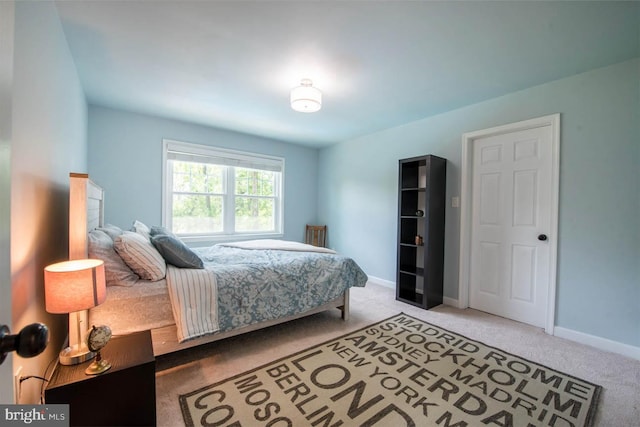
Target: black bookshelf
x,y
421,213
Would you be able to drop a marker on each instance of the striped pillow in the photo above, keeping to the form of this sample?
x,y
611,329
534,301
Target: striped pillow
x,y
140,255
116,271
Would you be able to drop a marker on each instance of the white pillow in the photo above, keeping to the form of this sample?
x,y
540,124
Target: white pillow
x,y
140,255
141,228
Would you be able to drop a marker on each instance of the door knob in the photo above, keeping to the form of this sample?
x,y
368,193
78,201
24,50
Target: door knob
x,y
542,237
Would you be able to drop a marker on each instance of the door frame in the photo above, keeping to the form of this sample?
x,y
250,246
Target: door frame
x,y
466,198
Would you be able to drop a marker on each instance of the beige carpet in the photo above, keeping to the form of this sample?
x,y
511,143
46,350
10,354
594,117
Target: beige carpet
x,y
619,376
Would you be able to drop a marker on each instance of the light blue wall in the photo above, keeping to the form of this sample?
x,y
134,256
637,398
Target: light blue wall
x,y
48,140
599,225
125,157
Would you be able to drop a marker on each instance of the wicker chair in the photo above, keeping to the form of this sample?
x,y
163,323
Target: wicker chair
x,y
316,235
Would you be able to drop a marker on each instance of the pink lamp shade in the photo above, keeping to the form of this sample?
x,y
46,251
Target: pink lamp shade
x,y
74,285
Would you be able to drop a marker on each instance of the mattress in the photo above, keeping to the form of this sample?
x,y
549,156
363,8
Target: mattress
x,y
140,307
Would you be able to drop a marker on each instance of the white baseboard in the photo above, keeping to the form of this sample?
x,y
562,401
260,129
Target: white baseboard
x,y
382,282
598,342
451,302
389,284
580,337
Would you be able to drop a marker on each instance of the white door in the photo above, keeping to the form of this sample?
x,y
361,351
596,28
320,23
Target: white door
x,y
512,223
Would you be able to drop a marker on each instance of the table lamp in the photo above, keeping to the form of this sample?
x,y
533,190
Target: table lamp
x,y
74,287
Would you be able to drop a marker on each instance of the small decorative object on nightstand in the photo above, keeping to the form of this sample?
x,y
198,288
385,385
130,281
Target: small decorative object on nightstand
x,y
98,337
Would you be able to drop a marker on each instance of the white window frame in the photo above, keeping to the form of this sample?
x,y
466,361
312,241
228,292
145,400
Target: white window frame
x,y
230,158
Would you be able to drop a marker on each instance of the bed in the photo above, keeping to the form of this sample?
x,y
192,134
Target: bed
x,y
248,283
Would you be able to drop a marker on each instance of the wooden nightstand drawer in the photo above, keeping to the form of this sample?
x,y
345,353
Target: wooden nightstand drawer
x,y
125,395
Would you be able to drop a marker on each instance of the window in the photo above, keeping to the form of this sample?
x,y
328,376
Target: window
x,y
217,194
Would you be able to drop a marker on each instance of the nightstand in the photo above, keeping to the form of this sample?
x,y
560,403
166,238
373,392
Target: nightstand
x,y
125,395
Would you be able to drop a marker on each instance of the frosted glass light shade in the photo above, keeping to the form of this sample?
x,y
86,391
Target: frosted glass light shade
x,y
74,285
306,98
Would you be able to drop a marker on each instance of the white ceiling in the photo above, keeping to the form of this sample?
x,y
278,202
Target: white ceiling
x,y
379,64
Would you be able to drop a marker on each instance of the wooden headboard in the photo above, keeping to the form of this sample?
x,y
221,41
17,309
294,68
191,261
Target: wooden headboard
x,y
86,212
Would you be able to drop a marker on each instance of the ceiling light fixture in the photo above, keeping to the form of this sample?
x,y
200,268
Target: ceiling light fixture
x,y
306,98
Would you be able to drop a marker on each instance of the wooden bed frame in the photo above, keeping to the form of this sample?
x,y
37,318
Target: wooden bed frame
x,y
86,212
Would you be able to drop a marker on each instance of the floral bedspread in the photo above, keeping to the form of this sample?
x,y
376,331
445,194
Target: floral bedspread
x,y
259,285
